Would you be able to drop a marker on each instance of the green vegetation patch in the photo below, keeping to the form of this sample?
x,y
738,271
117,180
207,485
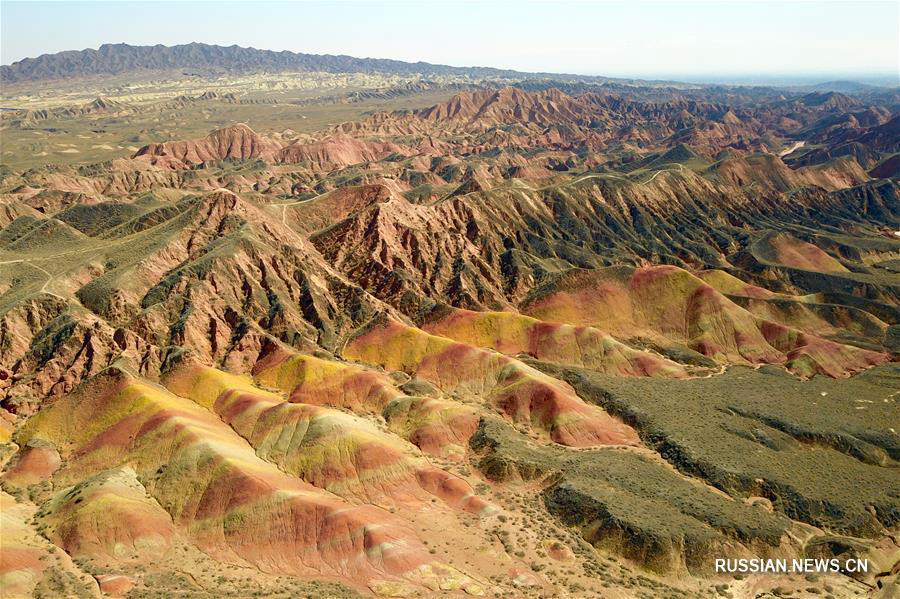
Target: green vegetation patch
x,y
28,233
823,451
47,340
629,503
97,218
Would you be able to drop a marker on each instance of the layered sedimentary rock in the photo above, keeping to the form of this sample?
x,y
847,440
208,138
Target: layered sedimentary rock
x,y
522,341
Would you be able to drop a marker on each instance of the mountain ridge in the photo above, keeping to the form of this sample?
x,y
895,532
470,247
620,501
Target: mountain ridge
x,y
113,59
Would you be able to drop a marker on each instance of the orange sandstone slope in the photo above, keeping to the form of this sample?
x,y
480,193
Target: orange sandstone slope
x,y
669,305
241,509
413,410
326,447
516,390
238,142
512,333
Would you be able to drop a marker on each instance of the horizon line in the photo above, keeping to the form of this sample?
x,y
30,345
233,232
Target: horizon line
x,y
754,77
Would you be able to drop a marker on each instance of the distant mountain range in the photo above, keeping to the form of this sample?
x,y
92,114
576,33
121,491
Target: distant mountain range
x,y
205,59
114,59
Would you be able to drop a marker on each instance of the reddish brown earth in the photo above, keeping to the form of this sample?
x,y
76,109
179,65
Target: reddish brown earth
x,y
522,342
239,142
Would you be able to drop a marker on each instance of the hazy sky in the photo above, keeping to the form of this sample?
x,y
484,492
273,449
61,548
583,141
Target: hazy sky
x,y
638,38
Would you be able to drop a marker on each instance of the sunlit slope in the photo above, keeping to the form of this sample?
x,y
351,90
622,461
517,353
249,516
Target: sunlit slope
x,y
670,305
417,411
511,333
218,490
505,384
342,453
